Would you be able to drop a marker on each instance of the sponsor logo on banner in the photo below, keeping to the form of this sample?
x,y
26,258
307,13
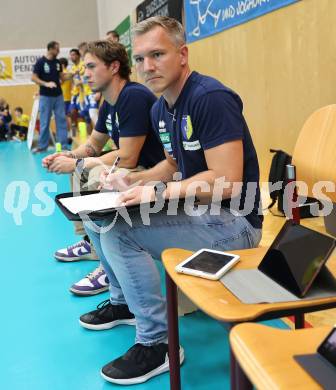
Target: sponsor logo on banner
x,y
16,66
6,68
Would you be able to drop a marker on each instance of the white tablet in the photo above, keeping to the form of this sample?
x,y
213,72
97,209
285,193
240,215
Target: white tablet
x,y
208,264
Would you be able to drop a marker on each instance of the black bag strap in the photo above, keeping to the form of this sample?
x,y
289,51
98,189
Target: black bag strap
x,y
277,173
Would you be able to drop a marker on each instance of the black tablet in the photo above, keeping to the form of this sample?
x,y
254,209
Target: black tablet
x,y
327,348
296,256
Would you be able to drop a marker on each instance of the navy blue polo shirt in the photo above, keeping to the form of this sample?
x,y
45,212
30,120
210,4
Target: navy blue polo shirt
x,y
130,117
205,115
49,70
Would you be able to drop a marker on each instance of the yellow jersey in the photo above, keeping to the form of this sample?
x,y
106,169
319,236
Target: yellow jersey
x,y
86,88
66,87
78,72
23,120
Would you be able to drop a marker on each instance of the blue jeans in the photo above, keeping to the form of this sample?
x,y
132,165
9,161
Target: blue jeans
x,y
49,104
127,253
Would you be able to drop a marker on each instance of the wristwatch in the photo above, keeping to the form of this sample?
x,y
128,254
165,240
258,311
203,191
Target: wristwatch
x,y
159,189
80,165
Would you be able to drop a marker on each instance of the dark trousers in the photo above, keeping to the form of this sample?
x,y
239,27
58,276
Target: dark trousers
x,y
22,130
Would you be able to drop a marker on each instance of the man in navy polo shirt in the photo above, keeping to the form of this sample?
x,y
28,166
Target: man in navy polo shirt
x,y
47,73
125,118
209,151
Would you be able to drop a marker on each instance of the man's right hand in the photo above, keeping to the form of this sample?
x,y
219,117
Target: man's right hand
x,y
118,181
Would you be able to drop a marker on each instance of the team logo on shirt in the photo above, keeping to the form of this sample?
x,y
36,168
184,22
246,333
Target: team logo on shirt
x,y
46,68
117,120
186,127
187,132
108,124
162,126
165,136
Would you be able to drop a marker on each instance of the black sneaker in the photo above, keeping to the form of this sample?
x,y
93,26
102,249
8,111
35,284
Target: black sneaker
x,y
107,316
139,364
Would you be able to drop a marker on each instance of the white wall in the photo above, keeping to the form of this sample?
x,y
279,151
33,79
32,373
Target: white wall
x,y
112,12
32,24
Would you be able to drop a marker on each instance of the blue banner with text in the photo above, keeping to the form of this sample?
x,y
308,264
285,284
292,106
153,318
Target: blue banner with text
x,y
207,17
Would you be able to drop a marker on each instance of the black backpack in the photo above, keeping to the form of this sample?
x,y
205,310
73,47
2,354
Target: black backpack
x,y
278,173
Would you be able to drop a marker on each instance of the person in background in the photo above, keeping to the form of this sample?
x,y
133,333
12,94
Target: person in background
x,y
19,128
91,99
66,86
5,119
77,95
47,73
112,36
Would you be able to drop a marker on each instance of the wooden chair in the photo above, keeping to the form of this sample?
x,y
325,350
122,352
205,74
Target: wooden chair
x,y
267,355
315,160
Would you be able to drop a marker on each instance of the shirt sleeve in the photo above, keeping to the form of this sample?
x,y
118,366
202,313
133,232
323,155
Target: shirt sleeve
x,y
37,67
217,118
134,114
101,121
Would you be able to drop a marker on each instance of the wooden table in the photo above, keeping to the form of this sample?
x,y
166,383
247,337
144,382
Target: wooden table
x,y
266,355
219,303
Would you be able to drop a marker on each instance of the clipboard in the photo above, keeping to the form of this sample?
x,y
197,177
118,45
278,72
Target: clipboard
x,y
105,213
94,215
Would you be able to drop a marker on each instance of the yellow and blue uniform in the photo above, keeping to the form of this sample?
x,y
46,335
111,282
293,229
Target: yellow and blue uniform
x,y
77,96
66,90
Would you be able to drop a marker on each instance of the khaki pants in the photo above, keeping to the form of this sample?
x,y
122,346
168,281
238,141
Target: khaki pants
x,y
89,181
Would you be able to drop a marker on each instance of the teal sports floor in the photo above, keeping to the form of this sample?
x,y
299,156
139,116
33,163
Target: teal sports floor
x,y
42,345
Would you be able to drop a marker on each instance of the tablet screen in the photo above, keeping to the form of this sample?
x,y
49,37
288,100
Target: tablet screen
x,y
208,262
296,256
328,348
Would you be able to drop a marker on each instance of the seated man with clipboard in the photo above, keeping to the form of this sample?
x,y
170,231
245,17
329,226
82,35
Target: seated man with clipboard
x,y
209,151
123,117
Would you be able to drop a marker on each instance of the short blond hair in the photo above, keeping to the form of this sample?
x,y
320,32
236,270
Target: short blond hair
x,y
173,28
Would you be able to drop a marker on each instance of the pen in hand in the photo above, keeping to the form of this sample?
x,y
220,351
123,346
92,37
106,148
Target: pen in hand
x,y
113,167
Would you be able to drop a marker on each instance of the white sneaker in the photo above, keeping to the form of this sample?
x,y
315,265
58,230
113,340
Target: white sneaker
x,y
82,250
94,283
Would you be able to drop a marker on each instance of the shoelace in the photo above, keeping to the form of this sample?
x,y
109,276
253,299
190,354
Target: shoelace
x,y
80,243
105,304
95,273
139,353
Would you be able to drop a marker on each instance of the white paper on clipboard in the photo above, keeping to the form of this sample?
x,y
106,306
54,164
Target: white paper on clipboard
x,y
92,202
